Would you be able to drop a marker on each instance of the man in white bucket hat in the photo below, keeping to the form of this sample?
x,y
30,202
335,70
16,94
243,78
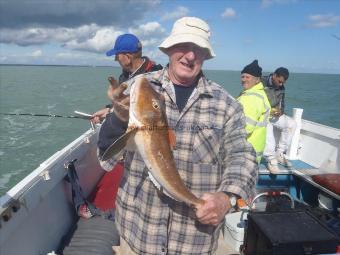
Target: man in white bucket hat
x,y
212,156
192,30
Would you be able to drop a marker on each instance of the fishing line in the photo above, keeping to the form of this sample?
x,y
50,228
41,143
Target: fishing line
x,y
44,115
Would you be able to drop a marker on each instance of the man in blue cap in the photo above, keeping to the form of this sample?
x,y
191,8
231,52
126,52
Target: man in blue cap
x,y
128,52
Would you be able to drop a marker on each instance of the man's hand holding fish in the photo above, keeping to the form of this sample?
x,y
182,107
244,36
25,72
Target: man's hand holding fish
x,y
214,209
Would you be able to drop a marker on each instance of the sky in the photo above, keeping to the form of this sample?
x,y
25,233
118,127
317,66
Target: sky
x,y
302,35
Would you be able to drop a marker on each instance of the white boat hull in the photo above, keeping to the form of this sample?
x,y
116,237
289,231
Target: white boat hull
x,y
46,212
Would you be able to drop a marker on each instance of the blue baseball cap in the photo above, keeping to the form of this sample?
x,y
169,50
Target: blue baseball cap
x,y
126,43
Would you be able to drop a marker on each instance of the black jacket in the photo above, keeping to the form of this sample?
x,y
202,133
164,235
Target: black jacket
x,y
276,95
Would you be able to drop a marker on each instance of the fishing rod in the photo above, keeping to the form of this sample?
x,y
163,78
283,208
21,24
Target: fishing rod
x,y
80,115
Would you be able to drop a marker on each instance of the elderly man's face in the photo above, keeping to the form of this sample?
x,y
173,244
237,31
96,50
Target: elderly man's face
x,y
248,81
124,61
186,60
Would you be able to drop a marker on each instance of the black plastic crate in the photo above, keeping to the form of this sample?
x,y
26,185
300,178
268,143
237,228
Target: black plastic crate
x,y
288,232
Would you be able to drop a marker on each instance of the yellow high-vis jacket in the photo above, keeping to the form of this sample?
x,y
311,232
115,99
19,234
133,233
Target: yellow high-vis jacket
x,y
256,108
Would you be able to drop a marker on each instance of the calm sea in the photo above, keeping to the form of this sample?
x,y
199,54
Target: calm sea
x,y
25,141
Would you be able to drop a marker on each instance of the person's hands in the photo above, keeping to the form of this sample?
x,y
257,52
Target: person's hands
x,y
276,112
214,209
120,101
98,116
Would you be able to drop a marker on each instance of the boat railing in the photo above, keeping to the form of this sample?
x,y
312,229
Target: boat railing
x,y
42,172
272,194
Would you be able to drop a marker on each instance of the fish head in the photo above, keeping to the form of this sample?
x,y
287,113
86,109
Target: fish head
x,y
147,107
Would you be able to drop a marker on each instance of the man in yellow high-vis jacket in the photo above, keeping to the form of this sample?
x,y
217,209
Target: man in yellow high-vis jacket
x,y
256,107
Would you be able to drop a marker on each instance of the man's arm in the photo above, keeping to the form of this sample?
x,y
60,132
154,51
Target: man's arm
x,y
115,124
111,129
240,171
100,115
283,102
239,158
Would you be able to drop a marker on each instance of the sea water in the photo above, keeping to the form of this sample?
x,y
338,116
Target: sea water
x,y
26,141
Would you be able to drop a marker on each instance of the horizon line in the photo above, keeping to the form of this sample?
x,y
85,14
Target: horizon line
x,y
70,65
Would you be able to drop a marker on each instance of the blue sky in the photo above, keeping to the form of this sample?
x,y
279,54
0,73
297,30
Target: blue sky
x,y
303,36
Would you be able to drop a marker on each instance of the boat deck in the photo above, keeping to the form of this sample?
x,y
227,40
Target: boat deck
x,y
300,173
286,180
91,236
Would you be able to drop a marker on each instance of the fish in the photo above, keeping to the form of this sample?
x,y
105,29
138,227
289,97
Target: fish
x,y
149,133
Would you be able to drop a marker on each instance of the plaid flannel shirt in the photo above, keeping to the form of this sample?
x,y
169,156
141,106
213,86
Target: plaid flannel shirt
x,y
211,155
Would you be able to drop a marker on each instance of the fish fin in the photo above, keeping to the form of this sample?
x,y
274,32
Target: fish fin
x,y
130,145
119,144
172,138
159,187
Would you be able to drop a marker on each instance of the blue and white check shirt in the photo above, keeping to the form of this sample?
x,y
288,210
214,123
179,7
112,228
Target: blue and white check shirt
x,y
211,154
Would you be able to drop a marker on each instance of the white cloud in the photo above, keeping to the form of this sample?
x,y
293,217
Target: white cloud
x,y
150,42
40,35
100,41
229,13
180,12
77,27
323,20
90,38
36,53
87,37
150,34
64,13
148,29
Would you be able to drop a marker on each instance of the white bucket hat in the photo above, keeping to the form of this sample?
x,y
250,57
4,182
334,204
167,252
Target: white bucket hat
x,y
189,29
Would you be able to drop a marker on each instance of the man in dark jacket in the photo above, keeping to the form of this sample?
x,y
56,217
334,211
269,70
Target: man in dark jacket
x,y
275,90
128,53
